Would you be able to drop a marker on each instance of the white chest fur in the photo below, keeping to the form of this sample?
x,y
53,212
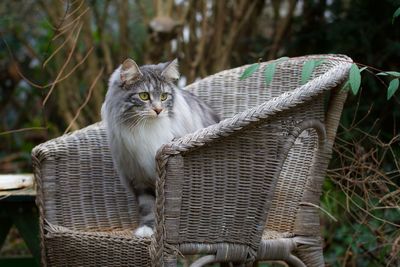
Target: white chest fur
x,y
137,147
144,140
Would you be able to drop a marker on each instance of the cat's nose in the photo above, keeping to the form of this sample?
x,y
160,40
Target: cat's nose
x,y
157,110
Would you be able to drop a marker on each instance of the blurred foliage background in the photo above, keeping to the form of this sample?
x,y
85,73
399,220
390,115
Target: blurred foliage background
x,y
56,57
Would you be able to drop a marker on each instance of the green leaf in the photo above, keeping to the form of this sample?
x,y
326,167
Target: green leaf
x,y
307,70
269,72
382,74
393,86
355,78
346,86
249,71
393,73
396,14
270,69
362,69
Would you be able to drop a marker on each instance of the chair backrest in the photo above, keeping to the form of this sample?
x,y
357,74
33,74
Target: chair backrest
x,y
227,94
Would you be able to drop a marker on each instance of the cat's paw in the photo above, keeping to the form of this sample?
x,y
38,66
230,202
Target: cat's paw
x,y
144,231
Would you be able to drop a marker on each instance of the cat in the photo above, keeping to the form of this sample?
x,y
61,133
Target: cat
x,y
143,110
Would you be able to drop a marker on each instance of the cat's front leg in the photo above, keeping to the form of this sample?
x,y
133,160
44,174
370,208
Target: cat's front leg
x,y
146,201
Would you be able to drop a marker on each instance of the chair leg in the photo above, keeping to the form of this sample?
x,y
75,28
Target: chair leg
x,y
170,261
311,253
293,261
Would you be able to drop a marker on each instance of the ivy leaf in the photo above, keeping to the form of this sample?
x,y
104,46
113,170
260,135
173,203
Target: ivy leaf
x,y
269,73
393,86
307,70
396,14
355,78
249,71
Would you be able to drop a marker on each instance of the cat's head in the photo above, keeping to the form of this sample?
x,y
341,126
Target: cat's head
x,y
144,93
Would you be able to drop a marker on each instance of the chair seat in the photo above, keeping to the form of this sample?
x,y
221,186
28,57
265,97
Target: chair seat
x,y
106,248
267,235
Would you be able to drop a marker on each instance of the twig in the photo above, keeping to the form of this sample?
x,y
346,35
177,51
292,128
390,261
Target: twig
x,y
86,100
23,130
320,208
65,27
64,66
72,70
59,48
11,157
75,10
44,5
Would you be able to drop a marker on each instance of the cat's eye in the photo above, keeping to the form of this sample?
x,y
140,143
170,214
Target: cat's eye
x,y
164,96
144,96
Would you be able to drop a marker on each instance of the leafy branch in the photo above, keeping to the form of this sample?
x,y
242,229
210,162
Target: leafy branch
x,y
353,83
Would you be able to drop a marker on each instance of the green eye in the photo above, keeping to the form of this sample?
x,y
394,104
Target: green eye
x,y
144,96
164,96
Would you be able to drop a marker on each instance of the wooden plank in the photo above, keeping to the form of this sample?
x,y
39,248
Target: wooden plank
x,y
17,194
16,181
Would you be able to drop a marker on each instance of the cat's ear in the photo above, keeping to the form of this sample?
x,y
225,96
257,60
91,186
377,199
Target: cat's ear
x,y
129,71
171,71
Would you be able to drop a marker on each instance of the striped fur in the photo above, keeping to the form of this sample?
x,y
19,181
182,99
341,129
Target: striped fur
x,y
137,128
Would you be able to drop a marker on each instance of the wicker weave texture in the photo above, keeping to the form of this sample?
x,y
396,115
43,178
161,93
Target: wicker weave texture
x,y
228,95
295,104
230,189
70,248
79,186
206,204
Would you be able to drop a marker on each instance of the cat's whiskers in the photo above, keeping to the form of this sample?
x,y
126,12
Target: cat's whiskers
x,y
131,119
137,128
139,123
142,126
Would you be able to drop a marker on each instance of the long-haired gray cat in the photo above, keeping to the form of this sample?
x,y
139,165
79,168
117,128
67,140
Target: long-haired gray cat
x,y
143,110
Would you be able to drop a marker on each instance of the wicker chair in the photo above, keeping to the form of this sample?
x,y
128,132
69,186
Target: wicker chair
x,y
244,190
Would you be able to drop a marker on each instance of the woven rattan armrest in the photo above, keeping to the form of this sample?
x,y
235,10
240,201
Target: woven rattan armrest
x,y
175,152
77,185
231,252
83,206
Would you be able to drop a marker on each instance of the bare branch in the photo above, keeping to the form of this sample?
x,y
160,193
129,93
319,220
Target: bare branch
x,y
23,130
63,67
86,100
